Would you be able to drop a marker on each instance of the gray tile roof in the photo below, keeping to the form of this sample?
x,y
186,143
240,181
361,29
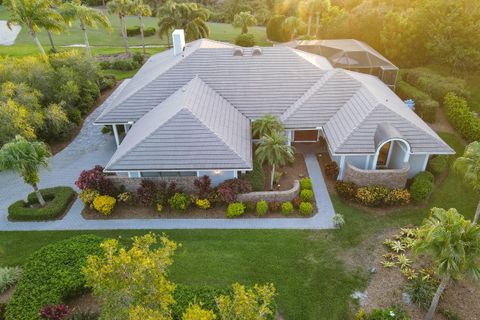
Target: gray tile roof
x,y
193,129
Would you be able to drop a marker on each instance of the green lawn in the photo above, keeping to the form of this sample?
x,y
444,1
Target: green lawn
x,y
306,266
101,38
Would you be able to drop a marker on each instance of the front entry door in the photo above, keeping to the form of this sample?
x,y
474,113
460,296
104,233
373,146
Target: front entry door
x,y
305,136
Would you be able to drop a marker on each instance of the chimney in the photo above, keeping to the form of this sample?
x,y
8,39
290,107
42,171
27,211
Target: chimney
x,y
178,37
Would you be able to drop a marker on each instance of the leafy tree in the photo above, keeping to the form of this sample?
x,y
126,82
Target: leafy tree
x,y
243,20
187,16
273,149
26,158
266,126
34,15
87,17
275,30
141,10
453,244
293,26
122,8
468,165
132,283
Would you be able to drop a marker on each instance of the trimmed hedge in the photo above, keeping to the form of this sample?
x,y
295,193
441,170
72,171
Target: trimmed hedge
x,y
425,106
58,199
51,275
275,31
438,164
462,119
245,40
135,31
422,186
435,85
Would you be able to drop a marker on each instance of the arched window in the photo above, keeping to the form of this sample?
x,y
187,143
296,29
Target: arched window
x,y
392,154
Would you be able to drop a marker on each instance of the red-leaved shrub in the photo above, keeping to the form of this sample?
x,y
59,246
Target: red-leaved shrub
x,y
56,312
203,186
229,189
96,179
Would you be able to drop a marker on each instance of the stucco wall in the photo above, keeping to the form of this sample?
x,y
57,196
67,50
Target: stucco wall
x,y
417,163
278,196
132,184
396,178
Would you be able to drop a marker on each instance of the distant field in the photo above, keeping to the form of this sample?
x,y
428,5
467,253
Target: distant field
x,y
103,39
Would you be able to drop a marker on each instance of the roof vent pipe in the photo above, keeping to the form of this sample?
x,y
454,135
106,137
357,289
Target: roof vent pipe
x,y
178,39
238,51
257,51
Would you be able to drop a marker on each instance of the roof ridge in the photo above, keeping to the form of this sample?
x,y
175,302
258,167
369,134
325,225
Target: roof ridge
x,y
307,94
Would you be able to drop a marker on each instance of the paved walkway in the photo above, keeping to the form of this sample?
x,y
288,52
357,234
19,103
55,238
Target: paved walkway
x,y
7,36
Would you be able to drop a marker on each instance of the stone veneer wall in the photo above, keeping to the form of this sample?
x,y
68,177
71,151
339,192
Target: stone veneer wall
x,y
132,184
278,196
391,178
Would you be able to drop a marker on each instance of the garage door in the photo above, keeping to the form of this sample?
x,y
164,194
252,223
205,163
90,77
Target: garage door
x,y
305,135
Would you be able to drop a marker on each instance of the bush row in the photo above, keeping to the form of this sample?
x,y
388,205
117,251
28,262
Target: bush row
x,y
51,275
58,199
372,196
123,64
135,31
462,119
425,106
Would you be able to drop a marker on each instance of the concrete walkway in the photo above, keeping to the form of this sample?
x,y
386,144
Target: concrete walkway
x,y
7,36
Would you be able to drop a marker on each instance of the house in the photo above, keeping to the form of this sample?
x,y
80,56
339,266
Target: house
x,y
188,112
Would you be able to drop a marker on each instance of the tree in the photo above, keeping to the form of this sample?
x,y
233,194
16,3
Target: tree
x,y
243,20
453,244
468,166
273,149
187,16
293,26
141,10
34,15
87,17
266,126
26,158
132,283
122,8
275,30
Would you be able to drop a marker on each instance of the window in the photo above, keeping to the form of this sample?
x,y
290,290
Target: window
x,y
156,174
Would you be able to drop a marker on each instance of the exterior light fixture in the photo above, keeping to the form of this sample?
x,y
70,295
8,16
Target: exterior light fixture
x,y
217,172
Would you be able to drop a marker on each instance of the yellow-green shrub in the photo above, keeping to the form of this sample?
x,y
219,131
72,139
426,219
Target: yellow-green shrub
x,y
87,196
125,197
306,208
398,197
104,204
203,203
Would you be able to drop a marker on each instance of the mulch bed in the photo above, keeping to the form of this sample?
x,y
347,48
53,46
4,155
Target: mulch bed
x,y
291,172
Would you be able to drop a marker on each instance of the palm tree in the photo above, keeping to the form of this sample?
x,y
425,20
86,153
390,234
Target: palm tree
x,y
187,16
141,10
469,166
26,158
34,15
122,8
88,17
293,26
273,148
244,20
266,126
453,244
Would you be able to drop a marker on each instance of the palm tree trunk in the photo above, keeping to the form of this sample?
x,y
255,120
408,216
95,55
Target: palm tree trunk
x,y
317,23
124,34
37,42
141,33
477,214
309,24
39,195
85,38
436,298
273,175
244,29
51,40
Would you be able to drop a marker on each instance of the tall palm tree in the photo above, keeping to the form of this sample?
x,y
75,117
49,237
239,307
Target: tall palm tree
x,y
266,126
453,244
187,16
122,8
469,166
26,158
244,20
141,10
87,17
293,26
34,15
274,150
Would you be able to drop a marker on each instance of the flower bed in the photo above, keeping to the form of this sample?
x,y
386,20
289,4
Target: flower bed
x,y
58,201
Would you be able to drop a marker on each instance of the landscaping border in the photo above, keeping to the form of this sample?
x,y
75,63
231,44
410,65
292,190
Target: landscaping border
x,y
270,196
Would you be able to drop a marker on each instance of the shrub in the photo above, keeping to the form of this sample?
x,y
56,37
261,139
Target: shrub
x,y
96,179
8,277
104,65
88,195
422,186
306,184
58,199
275,31
104,204
256,177
261,208
250,206
107,81
425,175
421,290
245,40
287,208
56,312
149,31
180,201
390,313
203,203
398,197
235,209
51,275
229,189
306,195
166,191
306,208
133,31
124,65
186,295
203,186
338,220
75,116
296,202
147,193
425,106
346,190
274,206
159,207
461,117
331,170
438,164
125,197
372,196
